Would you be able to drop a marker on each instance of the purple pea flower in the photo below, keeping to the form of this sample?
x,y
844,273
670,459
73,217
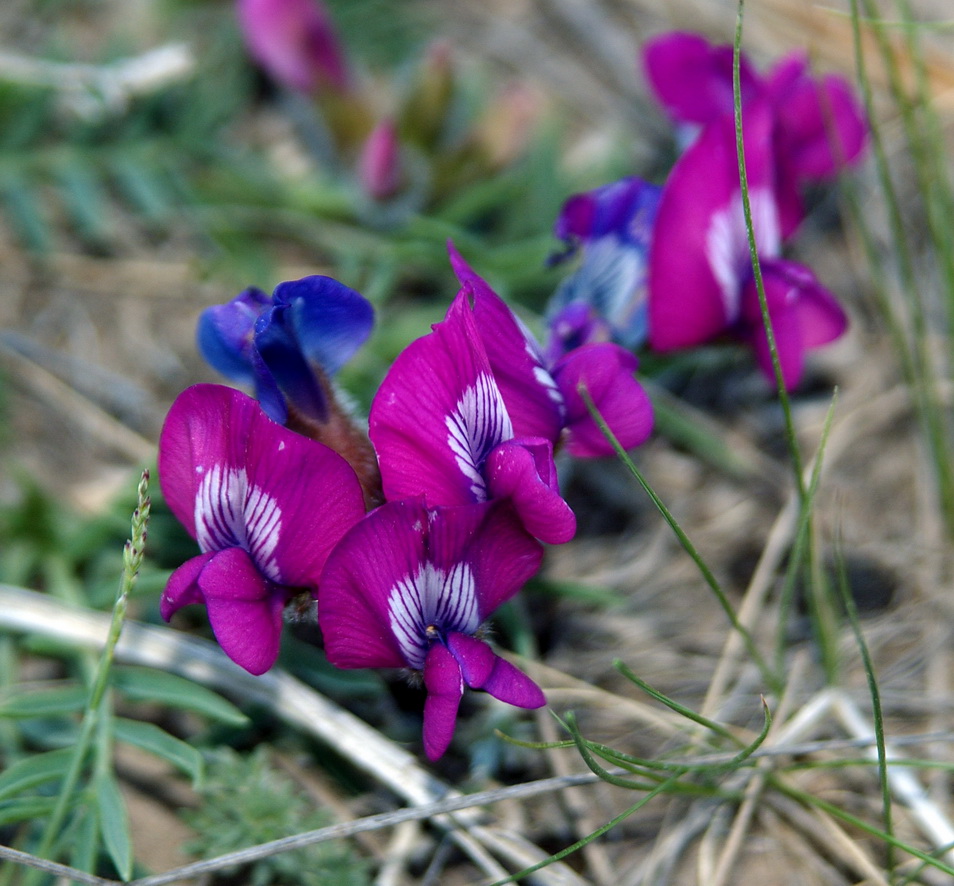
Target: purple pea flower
x,y
542,395
692,79
605,297
287,344
266,506
818,129
295,42
442,431
701,283
410,587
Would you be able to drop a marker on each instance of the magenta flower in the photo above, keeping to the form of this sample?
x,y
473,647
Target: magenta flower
x,y
818,129
295,42
701,283
605,297
543,396
442,430
411,587
693,79
266,507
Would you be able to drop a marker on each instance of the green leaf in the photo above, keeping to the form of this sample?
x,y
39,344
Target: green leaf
x,y
151,738
84,841
114,823
21,203
83,198
142,187
27,703
33,771
147,684
26,809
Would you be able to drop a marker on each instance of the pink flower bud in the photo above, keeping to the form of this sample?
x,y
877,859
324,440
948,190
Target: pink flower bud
x,y
379,167
295,42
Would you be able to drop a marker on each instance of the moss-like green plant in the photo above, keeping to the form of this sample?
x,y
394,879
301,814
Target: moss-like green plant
x,y
246,801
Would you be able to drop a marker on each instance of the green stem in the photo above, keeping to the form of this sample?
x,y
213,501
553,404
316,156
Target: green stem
x,y
96,710
923,380
790,435
768,676
877,712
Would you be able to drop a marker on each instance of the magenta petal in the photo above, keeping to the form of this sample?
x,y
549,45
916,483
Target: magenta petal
x,y
789,345
250,482
183,589
788,199
475,657
245,609
511,685
821,319
295,41
781,295
483,669
437,415
821,125
693,79
492,541
316,493
503,556
445,687
529,393
522,471
606,371
804,315
353,612
699,251
207,425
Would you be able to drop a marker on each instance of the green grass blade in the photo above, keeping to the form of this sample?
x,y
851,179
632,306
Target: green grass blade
x,y
589,838
876,709
790,435
674,705
770,679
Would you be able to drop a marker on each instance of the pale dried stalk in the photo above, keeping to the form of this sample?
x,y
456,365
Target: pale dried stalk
x,y
823,831
580,810
94,89
289,698
69,402
781,732
931,819
864,419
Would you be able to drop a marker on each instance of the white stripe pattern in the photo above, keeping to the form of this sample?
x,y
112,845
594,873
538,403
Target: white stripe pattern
x,y
727,243
478,424
432,598
230,513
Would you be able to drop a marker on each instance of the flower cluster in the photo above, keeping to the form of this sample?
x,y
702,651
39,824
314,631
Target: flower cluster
x,y
670,265
412,540
404,153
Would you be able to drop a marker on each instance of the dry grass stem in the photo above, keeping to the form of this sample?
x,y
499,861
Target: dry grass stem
x,y
73,406
905,785
297,704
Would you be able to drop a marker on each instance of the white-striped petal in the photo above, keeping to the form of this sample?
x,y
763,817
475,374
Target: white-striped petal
x,y
727,244
478,424
231,513
432,600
